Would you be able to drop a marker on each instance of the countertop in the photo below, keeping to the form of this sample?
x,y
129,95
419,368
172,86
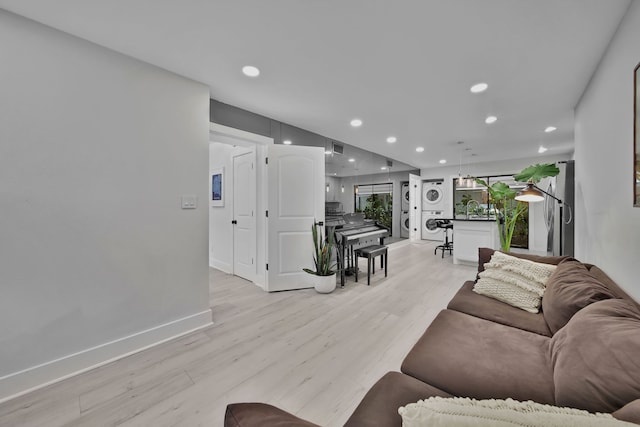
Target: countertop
x,y
484,219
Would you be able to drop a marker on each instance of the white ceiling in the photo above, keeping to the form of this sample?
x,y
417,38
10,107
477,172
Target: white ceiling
x,y
403,66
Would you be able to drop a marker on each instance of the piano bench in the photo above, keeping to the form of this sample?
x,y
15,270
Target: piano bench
x,y
371,252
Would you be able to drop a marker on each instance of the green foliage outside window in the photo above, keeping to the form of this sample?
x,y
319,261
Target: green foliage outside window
x,y
377,207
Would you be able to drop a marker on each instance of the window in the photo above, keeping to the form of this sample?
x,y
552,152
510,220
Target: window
x,y
376,202
471,201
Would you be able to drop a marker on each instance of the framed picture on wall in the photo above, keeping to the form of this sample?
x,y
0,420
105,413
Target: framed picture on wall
x,y
217,187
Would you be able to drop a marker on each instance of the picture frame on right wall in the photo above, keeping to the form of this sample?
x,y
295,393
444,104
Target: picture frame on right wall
x,y
636,137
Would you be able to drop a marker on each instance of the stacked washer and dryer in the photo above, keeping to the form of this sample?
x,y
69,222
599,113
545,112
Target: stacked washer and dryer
x,y
433,206
404,211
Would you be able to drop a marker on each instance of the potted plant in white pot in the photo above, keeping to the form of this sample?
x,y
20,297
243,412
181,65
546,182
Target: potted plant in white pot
x,y
323,276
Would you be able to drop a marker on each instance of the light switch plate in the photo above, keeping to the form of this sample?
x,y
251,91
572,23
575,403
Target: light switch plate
x,y
189,202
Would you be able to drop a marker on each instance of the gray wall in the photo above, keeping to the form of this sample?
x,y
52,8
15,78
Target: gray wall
x,y
607,225
97,257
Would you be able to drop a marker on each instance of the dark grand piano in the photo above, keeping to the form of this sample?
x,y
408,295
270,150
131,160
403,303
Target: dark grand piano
x,y
355,232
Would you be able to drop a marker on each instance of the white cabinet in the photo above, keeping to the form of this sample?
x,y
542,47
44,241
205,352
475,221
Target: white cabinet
x,y
471,235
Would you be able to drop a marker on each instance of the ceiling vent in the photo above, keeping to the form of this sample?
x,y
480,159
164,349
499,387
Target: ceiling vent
x,y
389,163
337,148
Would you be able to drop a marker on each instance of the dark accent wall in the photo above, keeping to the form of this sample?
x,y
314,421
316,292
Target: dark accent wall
x,y
228,115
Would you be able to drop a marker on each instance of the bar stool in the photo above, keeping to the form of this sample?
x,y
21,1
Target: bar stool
x,y
447,245
371,252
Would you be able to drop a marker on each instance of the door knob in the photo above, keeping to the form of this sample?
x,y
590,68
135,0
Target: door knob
x,y
234,222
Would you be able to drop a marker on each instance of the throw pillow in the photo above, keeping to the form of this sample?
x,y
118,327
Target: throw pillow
x,y
595,357
571,288
485,254
515,281
463,412
535,272
508,293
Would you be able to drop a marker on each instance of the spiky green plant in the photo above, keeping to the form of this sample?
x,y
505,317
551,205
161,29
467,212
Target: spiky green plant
x,y
323,249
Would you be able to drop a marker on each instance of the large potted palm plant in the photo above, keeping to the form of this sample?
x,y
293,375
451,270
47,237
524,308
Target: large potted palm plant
x,y
323,276
508,210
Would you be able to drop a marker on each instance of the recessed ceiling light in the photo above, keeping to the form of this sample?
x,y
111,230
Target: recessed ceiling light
x,y
490,119
352,160
384,168
356,123
479,87
542,149
550,129
392,139
327,151
250,71
335,173
419,149
443,161
287,142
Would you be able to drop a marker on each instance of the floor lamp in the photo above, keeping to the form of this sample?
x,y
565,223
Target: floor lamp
x,y
533,193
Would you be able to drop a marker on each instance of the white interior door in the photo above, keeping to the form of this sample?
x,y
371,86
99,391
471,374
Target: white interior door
x,y
244,215
415,207
296,199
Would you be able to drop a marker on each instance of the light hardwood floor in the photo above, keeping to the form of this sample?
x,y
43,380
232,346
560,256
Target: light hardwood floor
x,y
311,354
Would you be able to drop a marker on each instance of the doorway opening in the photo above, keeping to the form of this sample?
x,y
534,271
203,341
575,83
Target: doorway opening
x,y
271,194
235,243
232,217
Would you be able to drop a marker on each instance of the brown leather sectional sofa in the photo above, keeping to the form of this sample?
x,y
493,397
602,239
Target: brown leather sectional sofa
x,y
582,351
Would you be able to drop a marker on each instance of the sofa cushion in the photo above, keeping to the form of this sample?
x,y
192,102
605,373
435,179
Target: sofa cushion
x,y
485,254
379,407
611,285
261,414
472,357
469,302
629,412
571,288
596,357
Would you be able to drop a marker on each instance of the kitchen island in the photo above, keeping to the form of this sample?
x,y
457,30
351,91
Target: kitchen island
x,y
471,234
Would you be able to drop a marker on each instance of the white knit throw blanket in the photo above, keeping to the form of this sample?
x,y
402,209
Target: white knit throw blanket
x,y
462,412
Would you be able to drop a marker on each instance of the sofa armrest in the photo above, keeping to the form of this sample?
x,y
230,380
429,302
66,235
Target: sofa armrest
x,y
629,412
261,414
379,407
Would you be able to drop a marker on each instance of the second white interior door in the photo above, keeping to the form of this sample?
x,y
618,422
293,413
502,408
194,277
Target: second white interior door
x,y
244,215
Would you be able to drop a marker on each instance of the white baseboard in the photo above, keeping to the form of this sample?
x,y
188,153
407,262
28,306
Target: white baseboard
x,y
220,265
35,377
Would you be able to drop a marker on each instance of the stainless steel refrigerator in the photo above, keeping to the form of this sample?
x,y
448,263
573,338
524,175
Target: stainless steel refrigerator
x,y
559,217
